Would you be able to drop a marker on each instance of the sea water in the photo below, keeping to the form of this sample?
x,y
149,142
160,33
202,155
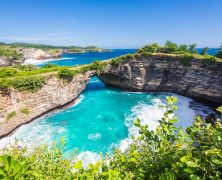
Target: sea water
x,y
102,119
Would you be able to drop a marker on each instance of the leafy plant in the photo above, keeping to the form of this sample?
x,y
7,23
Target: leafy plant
x,y
25,111
65,73
29,83
7,72
10,115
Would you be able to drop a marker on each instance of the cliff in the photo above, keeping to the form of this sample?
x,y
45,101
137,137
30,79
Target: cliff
x,y
167,73
23,106
39,54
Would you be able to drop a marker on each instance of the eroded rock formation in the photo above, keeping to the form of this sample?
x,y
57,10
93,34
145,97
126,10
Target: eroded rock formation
x,y
164,73
54,94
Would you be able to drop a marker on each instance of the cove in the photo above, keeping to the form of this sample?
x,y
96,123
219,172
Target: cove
x,y
102,119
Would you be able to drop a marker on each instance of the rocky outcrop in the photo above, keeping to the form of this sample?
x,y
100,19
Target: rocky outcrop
x,y
22,107
39,54
5,61
165,73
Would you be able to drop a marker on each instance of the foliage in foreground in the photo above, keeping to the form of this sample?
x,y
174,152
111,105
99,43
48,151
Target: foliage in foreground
x,y
167,153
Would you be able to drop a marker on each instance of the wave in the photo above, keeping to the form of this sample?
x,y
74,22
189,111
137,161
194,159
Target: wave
x,y
89,157
39,62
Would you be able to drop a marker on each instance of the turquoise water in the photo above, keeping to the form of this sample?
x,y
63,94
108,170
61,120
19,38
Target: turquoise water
x,y
101,119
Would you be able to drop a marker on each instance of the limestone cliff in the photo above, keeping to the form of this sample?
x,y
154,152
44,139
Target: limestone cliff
x,y
39,54
166,73
54,94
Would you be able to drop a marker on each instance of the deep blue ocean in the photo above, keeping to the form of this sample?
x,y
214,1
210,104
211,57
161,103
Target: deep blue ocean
x,y
86,58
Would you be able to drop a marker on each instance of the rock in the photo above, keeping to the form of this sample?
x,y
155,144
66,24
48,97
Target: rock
x,y
211,118
38,54
4,61
165,73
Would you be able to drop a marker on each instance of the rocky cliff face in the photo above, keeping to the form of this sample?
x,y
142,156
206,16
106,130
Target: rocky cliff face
x,y
38,54
163,73
54,94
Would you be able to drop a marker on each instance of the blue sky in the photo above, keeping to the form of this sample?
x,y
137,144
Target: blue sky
x,y
112,23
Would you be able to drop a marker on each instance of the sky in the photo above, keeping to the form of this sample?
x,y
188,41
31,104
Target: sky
x,y
112,23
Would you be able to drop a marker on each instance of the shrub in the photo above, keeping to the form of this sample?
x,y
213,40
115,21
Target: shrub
x,y
65,73
10,115
209,59
152,48
48,65
170,47
186,59
183,48
28,67
116,61
10,53
29,83
7,72
97,65
25,111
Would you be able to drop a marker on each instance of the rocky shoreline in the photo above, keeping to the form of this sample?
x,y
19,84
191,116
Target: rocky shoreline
x,y
55,94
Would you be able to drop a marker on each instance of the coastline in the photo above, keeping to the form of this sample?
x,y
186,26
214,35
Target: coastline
x,y
67,105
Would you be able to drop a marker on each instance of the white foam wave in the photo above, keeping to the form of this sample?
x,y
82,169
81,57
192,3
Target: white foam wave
x,y
149,114
94,136
88,157
38,62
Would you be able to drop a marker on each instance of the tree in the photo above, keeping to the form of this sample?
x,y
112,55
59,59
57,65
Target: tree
x,y
170,47
219,52
183,48
192,48
204,51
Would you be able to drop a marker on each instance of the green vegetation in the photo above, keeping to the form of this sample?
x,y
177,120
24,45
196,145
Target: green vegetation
x,y
10,115
29,83
219,52
168,153
169,48
25,111
204,51
186,53
10,52
25,77
66,73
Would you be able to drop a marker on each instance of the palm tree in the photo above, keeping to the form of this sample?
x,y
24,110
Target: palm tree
x,y
192,48
204,51
219,52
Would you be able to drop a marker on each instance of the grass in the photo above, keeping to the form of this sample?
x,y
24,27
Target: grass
x,y
10,115
25,111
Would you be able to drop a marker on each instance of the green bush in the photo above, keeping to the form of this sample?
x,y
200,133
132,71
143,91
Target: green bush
x,y
7,72
25,111
10,53
27,67
186,59
116,61
48,65
10,115
65,73
167,153
29,83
